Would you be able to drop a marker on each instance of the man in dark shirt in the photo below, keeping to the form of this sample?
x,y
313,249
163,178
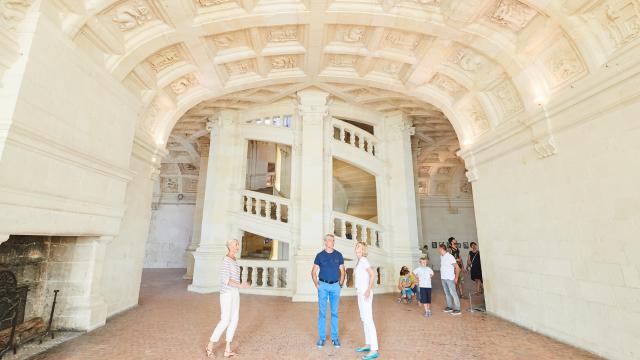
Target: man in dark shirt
x,y
330,264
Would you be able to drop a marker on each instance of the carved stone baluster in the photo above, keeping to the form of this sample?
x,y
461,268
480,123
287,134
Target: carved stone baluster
x,y
354,231
361,141
365,235
342,133
243,274
258,207
343,228
254,276
265,276
278,211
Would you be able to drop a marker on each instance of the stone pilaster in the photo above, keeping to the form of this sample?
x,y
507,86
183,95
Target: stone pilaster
x,y
313,112
203,146
401,225
220,193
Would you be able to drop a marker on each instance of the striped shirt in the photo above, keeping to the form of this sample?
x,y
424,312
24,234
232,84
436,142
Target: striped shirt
x,y
229,271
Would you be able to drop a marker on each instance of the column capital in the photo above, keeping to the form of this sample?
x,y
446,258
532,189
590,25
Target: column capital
x,y
313,102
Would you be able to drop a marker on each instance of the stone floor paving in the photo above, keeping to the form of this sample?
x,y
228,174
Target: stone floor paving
x,y
171,323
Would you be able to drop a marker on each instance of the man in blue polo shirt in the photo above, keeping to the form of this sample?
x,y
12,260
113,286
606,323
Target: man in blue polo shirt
x,y
329,283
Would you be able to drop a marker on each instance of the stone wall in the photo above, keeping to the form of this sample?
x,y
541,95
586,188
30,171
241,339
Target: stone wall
x,y
440,221
169,236
559,235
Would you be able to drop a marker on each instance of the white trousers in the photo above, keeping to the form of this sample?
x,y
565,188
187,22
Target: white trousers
x,y
366,315
229,314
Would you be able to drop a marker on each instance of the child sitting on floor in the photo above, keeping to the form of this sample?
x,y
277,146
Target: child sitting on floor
x,y
405,286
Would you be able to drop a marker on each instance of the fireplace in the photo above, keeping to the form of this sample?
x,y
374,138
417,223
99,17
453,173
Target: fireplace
x,y
26,258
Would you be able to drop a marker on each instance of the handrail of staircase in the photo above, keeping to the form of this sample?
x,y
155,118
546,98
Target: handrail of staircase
x,y
366,141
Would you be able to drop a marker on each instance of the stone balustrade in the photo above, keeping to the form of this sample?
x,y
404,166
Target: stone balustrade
x,y
265,206
353,228
355,136
265,274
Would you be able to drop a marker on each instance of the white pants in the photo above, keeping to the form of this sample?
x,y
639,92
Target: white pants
x,y
366,315
229,314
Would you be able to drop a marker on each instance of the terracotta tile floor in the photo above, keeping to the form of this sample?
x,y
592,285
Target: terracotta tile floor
x,y
171,323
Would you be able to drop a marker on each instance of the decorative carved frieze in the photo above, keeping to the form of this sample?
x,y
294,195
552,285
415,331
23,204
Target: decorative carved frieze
x,y
513,14
283,62
282,34
467,59
183,84
130,16
446,84
164,58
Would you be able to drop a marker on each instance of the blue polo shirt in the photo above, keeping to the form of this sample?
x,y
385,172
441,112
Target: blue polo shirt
x,y
329,264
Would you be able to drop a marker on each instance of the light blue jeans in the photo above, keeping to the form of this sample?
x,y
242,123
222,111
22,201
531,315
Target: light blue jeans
x,y
330,292
451,294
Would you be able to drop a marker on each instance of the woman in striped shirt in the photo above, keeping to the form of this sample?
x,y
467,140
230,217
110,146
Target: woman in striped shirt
x,y
229,300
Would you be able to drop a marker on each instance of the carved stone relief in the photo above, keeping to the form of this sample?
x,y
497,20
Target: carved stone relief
x,y
563,63
401,40
188,169
479,121
239,68
282,34
164,58
130,16
465,187
223,41
509,98
183,84
170,184
189,185
342,60
446,84
392,68
12,12
283,62
623,20
513,14
351,34
467,59
444,170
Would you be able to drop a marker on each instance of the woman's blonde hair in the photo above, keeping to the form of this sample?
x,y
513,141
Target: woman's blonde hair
x,y
229,242
365,247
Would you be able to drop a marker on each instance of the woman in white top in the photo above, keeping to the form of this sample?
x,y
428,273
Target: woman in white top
x,y
229,300
365,277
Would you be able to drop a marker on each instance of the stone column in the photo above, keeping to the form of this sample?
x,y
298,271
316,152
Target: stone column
x,y
401,224
312,170
76,270
203,146
414,161
220,194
